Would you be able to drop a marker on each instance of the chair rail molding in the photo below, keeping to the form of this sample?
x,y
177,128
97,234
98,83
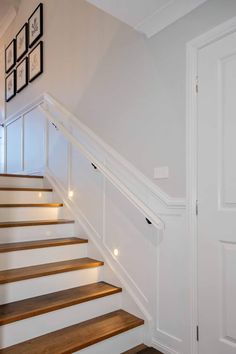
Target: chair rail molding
x,y
110,162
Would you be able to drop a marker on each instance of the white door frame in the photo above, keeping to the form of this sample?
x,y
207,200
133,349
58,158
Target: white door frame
x,y
191,155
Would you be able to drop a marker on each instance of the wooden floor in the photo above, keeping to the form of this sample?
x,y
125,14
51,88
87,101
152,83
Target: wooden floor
x,y
142,349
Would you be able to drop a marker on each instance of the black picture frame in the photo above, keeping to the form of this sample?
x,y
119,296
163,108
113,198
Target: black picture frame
x,y
23,31
13,76
36,19
22,69
11,48
38,51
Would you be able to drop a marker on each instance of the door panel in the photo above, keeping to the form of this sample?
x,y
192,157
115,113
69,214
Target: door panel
x,y
217,197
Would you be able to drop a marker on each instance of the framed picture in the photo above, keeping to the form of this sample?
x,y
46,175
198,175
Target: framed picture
x,y
22,42
10,56
36,62
22,75
10,86
35,24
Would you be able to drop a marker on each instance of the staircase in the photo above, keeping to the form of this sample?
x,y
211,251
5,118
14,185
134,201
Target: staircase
x,y
54,299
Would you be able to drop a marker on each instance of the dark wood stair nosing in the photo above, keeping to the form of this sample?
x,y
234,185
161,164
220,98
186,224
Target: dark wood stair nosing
x,y
29,245
43,304
19,176
25,189
79,336
32,205
26,223
45,269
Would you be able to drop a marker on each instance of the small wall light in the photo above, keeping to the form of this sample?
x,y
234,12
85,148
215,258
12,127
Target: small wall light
x,y
116,252
70,194
40,194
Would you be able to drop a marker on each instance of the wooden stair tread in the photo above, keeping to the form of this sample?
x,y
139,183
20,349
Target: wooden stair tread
x,y
79,336
28,245
23,189
35,306
19,176
34,223
34,205
13,275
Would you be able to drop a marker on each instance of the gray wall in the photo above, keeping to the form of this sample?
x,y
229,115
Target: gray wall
x,y
129,89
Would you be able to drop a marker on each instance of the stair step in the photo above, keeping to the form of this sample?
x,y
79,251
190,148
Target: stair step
x,y
20,176
23,189
35,306
13,275
79,336
34,205
29,245
34,223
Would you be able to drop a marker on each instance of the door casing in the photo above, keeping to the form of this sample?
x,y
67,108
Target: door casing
x,y
192,49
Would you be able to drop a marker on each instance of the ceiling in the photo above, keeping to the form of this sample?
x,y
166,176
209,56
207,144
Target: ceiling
x,y
147,16
8,10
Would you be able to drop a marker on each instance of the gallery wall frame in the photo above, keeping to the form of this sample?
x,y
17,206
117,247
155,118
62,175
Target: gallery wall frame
x,y
27,66
10,56
35,25
22,42
10,86
36,62
22,75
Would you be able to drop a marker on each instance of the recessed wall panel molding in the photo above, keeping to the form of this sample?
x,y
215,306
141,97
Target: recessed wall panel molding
x,y
57,154
86,183
14,132
227,129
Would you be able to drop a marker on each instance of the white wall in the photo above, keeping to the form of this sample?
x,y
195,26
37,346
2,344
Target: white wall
x,y
128,89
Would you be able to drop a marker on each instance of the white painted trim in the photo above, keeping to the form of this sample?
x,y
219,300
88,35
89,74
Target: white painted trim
x,y
24,110
164,348
193,48
143,193
167,200
166,15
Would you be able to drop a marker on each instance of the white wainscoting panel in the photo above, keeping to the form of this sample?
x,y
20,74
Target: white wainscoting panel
x,y
136,241
34,140
58,154
87,186
14,146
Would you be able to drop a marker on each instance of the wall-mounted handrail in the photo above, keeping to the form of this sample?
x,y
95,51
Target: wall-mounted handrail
x,y
148,198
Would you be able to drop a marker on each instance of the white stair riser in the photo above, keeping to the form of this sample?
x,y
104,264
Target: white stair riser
x,y
44,285
21,182
20,197
36,326
38,256
117,344
31,233
33,213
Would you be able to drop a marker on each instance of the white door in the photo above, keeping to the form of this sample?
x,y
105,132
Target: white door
x,y
217,197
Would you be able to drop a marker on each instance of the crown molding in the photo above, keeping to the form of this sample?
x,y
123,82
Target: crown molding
x,y
167,14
